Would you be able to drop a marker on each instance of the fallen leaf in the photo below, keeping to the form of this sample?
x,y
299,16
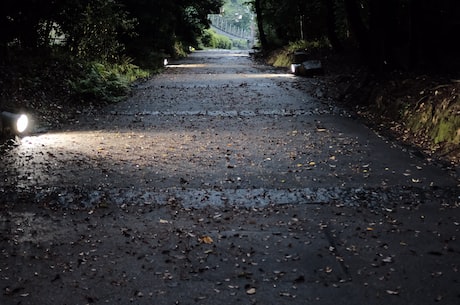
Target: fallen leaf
x,y
206,240
393,292
285,294
387,260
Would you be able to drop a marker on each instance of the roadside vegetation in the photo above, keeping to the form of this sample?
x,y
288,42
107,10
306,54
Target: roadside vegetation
x,y
213,40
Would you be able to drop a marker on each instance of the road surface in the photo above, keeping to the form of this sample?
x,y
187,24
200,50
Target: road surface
x,y
223,181
217,127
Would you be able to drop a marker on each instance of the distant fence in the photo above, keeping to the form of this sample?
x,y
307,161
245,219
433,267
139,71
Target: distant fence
x,y
223,27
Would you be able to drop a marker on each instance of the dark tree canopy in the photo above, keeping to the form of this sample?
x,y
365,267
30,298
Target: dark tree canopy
x,y
103,29
389,33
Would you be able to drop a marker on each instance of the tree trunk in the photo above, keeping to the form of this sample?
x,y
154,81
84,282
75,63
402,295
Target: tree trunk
x,y
383,34
331,26
377,41
260,23
357,27
415,37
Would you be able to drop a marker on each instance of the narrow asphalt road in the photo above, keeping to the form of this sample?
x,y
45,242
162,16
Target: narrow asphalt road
x,y
222,181
216,127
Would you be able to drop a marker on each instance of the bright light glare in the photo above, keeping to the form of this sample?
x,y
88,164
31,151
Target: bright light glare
x,y
268,75
188,66
295,68
22,123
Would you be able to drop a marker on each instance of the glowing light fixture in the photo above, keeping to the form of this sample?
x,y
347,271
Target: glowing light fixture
x,y
295,68
15,123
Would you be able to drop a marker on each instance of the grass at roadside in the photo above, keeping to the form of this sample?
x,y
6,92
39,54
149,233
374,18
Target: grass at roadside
x,y
282,58
54,89
106,82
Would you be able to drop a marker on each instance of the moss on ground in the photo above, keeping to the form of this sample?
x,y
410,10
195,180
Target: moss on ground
x,y
441,123
422,111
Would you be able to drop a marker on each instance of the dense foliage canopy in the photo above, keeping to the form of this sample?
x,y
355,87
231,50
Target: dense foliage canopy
x,y
103,29
390,33
393,33
85,51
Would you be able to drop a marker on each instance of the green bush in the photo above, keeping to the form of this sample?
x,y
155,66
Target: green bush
x,y
211,39
224,42
241,44
106,82
128,70
179,50
208,39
